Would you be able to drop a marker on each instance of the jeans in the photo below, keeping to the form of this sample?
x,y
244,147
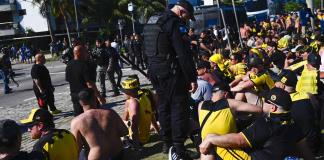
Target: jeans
x,y
4,75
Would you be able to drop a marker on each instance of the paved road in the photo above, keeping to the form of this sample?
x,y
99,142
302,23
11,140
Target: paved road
x,y
23,92
18,104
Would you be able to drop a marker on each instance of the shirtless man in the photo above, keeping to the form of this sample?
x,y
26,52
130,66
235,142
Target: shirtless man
x,y
101,129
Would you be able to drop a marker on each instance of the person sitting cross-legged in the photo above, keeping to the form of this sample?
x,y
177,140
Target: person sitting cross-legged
x,y
138,112
274,136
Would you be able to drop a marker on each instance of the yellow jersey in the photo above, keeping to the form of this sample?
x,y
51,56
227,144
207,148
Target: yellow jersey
x,y
307,82
218,118
144,119
262,81
58,144
239,70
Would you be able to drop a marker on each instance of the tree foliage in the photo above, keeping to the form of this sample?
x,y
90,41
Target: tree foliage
x,y
292,6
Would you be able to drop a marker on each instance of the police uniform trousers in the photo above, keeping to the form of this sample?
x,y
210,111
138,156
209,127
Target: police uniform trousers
x,y
111,77
102,69
173,107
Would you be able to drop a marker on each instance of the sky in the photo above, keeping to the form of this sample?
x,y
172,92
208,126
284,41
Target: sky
x,y
33,19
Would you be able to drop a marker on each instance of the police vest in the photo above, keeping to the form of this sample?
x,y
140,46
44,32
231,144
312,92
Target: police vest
x,y
158,47
307,82
216,118
58,144
144,119
101,56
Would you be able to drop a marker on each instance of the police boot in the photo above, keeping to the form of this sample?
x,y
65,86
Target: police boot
x,y
178,152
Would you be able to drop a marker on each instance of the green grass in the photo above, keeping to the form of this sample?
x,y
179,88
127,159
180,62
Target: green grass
x,y
153,150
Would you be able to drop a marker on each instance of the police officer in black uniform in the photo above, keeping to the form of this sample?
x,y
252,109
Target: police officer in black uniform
x,y
113,66
101,57
172,72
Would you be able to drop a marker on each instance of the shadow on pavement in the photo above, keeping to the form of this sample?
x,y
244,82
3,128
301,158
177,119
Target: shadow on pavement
x,y
113,104
63,115
149,149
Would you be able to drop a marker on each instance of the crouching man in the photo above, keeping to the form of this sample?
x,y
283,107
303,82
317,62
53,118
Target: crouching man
x,y
98,129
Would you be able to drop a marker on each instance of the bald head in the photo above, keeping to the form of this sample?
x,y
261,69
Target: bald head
x,y
39,58
80,53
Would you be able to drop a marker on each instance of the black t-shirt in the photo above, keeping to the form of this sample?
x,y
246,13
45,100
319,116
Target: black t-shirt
x,y
303,113
77,74
41,73
92,70
35,155
270,139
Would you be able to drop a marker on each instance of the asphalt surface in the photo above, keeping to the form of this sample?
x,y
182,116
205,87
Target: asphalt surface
x,y
25,92
17,105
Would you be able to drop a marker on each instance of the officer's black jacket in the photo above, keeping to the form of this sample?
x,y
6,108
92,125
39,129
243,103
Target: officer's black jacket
x,y
180,46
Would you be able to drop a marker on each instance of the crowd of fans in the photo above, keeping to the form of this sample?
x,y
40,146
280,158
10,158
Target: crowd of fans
x,y
261,98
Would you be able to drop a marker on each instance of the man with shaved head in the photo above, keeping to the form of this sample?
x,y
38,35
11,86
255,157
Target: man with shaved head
x,y
78,75
42,84
98,132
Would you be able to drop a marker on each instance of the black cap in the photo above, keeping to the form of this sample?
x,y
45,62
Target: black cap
x,y
9,133
279,97
288,77
314,60
186,5
203,64
39,115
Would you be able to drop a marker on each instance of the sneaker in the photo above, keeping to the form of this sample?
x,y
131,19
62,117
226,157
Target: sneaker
x,y
173,155
56,111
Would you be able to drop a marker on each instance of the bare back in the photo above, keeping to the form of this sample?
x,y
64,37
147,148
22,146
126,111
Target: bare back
x,y
102,130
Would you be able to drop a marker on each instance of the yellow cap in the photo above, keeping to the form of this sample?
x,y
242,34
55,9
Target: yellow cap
x,y
30,117
216,58
130,83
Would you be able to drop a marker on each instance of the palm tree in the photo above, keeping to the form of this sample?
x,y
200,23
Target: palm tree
x,y
45,12
63,8
58,8
145,8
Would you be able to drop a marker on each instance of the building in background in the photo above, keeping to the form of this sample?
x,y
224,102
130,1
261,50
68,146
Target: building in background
x,y
19,16
9,21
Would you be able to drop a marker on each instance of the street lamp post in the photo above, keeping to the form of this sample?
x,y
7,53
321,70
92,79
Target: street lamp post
x,y
131,7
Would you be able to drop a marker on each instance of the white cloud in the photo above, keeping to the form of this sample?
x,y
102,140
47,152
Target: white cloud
x,y
33,19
